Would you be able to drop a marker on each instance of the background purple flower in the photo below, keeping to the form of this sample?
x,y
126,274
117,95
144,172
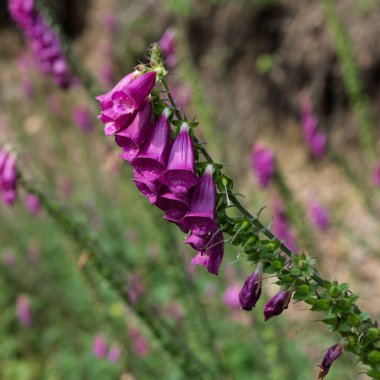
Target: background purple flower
x,y
24,310
263,164
319,215
82,118
99,346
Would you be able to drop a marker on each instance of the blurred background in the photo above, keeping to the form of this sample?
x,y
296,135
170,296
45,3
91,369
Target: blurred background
x,y
249,71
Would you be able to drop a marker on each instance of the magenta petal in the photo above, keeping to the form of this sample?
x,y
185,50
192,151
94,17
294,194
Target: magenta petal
x,y
151,160
106,99
201,215
212,257
263,164
131,138
147,188
198,243
178,222
138,90
180,175
174,205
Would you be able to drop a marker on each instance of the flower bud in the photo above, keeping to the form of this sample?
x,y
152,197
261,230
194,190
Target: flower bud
x,y
251,291
372,334
277,304
331,355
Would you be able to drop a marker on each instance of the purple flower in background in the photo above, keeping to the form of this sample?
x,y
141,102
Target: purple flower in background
x,y
140,344
200,218
331,355
152,158
120,104
135,287
231,296
111,22
212,257
263,164
167,44
8,176
82,119
251,291
43,41
281,226
376,174
32,203
180,175
99,346
319,215
175,205
24,310
114,353
9,257
277,304
147,188
316,141
132,138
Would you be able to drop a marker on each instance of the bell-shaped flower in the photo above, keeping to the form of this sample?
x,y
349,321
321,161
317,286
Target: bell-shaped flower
x,y
180,175
121,103
213,256
319,215
331,355
277,304
175,205
147,188
263,164
99,346
132,138
24,310
8,177
200,218
153,155
251,291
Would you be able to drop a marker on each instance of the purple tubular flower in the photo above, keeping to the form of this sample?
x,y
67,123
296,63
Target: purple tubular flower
x,y
213,256
319,215
180,174
376,174
106,99
131,138
152,158
82,119
43,41
114,353
282,228
263,164
316,141
147,188
8,177
251,291
331,355
99,346
32,203
167,44
277,304
200,218
120,105
231,296
24,310
174,205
